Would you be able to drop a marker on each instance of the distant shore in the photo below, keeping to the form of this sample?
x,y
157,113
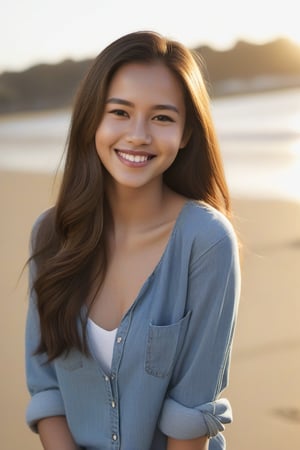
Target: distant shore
x,y
265,364
244,68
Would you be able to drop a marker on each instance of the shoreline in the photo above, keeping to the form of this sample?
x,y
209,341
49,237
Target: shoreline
x,y
264,371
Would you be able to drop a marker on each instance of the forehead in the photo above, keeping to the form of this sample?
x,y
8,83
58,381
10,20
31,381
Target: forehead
x,y
153,80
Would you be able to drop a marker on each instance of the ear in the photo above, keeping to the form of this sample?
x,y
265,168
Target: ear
x,y
185,137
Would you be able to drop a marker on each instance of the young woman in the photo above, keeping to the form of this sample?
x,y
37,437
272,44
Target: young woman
x,y
135,271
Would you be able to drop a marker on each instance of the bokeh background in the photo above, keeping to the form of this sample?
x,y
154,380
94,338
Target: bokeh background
x,y
251,61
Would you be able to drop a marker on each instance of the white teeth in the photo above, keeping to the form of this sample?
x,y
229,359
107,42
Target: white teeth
x,y
133,158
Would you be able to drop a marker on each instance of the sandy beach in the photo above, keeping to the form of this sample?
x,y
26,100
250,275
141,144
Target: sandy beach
x,y
264,383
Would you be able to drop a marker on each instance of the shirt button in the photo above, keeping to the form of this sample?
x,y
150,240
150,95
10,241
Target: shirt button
x,y
119,340
114,437
106,378
113,404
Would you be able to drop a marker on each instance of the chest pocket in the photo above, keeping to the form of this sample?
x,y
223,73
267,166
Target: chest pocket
x,y
163,344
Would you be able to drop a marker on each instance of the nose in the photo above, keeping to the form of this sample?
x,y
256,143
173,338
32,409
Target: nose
x,y
138,133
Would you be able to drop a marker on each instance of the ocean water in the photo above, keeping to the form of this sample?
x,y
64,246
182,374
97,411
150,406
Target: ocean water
x,y
260,142
259,137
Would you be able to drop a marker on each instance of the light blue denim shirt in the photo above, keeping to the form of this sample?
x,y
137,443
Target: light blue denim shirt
x,y
171,354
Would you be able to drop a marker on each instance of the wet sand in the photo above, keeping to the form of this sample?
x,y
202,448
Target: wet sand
x,y
264,389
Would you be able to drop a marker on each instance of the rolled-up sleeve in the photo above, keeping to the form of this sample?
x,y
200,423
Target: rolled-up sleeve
x,y
46,400
188,423
193,407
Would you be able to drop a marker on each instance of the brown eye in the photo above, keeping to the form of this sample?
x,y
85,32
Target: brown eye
x,y
163,118
119,113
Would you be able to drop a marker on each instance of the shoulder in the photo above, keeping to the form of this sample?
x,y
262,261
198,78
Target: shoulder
x,y
41,223
204,227
44,218
204,221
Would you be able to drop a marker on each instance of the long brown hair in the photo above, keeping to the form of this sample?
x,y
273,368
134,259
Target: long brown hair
x,y
70,250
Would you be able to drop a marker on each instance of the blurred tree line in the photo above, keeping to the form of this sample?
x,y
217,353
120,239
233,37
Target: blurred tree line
x,y
43,86
243,68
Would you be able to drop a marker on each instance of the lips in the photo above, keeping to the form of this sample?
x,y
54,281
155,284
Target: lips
x,y
139,158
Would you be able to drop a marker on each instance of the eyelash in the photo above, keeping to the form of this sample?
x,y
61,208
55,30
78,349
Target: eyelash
x,y
118,112
159,117
163,118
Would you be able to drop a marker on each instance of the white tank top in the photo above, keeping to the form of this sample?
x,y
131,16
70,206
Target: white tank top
x,y
102,343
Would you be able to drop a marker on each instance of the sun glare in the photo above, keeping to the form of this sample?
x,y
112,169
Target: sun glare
x,y
291,25
294,35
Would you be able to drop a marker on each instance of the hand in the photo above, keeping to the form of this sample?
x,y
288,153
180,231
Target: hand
x,y
55,434
189,444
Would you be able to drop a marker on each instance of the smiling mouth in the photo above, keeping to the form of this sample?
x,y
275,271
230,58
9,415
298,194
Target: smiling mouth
x,y
134,158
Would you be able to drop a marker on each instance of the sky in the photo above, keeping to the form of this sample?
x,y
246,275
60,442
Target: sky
x,y
49,31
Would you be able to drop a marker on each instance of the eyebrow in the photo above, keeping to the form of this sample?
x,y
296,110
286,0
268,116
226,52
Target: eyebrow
x,y
120,101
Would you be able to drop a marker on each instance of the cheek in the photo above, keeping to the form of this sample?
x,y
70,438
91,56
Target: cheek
x,y
171,140
101,143
106,133
101,137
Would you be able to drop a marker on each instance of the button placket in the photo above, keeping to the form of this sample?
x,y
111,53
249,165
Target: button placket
x,y
109,380
117,355
120,341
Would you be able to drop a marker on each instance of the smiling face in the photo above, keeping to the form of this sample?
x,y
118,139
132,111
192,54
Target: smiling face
x,y
142,127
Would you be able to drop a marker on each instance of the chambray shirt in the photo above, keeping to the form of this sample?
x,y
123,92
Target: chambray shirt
x,y
171,353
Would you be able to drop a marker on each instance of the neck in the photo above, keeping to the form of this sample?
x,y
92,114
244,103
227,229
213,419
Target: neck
x,y
137,208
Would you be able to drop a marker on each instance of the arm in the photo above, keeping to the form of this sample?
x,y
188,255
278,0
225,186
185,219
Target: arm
x,y
192,408
54,434
190,444
45,412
